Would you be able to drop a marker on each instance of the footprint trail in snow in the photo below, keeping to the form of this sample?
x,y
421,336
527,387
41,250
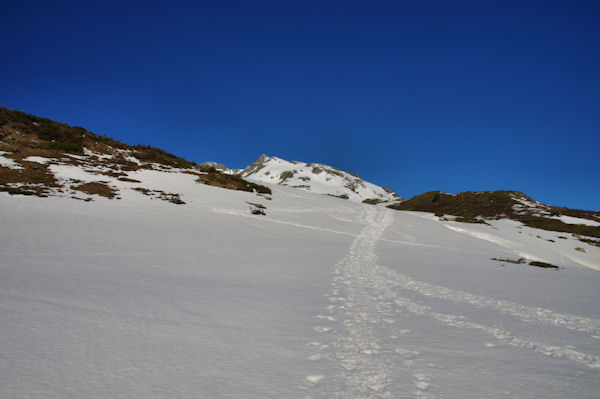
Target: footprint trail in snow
x,y
365,367
363,329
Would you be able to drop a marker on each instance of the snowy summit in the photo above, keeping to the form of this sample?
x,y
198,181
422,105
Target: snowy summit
x,y
317,178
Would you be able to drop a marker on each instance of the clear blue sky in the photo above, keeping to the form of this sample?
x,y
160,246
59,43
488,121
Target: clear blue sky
x,y
415,96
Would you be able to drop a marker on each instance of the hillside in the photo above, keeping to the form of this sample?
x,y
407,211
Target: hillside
x,y
477,207
45,158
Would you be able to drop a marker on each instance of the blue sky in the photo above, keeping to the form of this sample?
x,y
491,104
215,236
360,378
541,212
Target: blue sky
x,y
414,96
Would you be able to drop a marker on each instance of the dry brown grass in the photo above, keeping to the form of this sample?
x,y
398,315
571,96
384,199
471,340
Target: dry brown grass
x,y
173,198
231,182
342,196
33,179
96,188
543,265
128,180
508,260
373,201
17,127
471,207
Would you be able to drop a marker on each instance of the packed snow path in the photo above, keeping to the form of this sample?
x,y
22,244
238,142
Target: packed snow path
x,y
359,302
365,330
354,299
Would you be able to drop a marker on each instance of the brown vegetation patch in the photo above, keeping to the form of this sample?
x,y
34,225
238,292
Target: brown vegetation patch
x,y
517,261
543,265
352,186
128,180
96,188
557,225
88,199
342,196
471,207
112,174
288,174
373,201
577,213
147,153
231,182
589,241
469,220
257,209
173,198
523,260
27,147
145,191
467,204
33,179
194,173
121,163
211,167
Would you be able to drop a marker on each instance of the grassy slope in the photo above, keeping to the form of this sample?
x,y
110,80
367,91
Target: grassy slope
x,y
474,206
60,137
23,135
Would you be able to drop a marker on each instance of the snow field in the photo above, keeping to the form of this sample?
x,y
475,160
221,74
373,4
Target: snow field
x,y
319,298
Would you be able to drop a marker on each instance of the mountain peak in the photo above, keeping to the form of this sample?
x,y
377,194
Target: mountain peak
x,y
318,178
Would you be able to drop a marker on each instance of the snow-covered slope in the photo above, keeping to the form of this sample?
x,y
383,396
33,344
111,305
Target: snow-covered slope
x,y
317,178
122,275
321,298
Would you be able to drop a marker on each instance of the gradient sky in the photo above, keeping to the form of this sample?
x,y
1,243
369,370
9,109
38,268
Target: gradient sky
x,y
414,96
